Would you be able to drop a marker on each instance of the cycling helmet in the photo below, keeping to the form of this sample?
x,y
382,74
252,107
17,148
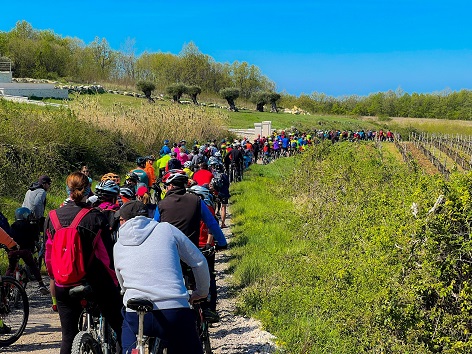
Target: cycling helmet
x,y
217,154
141,161
107,189
176,176
202,149
203,193
111,176
22,214
213,161
187,164
166,142
127,192
132,177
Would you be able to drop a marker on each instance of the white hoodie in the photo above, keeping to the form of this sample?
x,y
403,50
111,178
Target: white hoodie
x,y
147,263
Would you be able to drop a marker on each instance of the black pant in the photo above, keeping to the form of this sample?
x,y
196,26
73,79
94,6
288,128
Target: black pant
x,y
109,301
27,257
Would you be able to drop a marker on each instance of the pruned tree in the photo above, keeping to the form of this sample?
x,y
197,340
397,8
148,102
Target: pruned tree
x,y
259,99
230,94
176,91
147,87
273,97
193,91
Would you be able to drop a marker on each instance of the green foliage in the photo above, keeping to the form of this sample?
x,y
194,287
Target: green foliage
x,y
230,94
445,105
146,86
52,141
176,91
328,259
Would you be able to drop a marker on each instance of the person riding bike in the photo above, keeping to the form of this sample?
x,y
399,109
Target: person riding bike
x,y
93,230
206,243
185,210
107,193
147,262
25,234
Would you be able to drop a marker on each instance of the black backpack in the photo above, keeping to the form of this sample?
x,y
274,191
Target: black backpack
x,y
217,181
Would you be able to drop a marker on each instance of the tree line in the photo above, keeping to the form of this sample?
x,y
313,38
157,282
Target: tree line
x,y
444,105
44,54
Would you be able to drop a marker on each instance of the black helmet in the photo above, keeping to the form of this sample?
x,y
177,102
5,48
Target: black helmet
x,y
107,188
132,176
22,214
141,161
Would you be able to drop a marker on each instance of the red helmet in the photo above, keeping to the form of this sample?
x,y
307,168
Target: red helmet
x,y
177,177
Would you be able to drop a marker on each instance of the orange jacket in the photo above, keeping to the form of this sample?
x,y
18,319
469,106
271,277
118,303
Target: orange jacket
x,y
149,169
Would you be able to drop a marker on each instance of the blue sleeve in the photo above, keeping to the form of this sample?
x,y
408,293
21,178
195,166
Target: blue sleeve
x,y
157,215
212,224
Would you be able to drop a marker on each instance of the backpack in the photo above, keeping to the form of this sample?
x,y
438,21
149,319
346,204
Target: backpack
x,y
67,260
217,181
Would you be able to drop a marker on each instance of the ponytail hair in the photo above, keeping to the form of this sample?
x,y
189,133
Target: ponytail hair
x,y
78,185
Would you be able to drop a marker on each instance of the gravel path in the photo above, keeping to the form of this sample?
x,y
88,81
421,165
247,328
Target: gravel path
x,y
232,335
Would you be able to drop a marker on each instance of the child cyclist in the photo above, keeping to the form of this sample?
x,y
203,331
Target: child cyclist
x,y
25,234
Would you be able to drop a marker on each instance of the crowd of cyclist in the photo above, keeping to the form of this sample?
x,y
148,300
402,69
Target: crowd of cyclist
x,y
186,187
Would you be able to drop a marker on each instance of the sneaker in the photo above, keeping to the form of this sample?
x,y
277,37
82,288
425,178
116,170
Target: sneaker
x,y
223,226
5,329
43,290
211,316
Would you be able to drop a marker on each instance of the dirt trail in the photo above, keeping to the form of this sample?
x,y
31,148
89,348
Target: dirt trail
x,y
232,335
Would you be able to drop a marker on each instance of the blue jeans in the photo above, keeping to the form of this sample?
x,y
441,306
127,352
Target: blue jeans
x,y
176,327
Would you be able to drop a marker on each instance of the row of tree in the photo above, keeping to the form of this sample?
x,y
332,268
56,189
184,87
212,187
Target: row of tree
x,y
445,105
44,54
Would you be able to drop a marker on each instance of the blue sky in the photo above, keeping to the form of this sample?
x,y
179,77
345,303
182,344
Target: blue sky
x,y
337,47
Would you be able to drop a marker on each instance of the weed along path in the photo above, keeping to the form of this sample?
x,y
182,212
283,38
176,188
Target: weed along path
x,y
232,335
235,334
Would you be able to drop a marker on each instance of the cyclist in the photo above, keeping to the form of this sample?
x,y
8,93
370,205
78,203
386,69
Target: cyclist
x,y
6,240
173,163
185,210
205,243
25,234
139,170
203,176
35,198
93,230
149,169
163,246
107,193
188,169
220,186
165,150
160,165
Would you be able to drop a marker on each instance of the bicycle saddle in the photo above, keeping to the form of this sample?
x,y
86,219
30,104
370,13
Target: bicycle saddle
x,y
140,305
81,291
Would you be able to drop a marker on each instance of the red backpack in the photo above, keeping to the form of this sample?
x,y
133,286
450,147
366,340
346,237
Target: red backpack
x,y
67,261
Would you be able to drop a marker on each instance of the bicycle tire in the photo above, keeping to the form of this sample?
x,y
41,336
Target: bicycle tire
x,y
205,338
15,317
84,343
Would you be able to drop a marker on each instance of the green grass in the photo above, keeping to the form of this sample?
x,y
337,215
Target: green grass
x,y
315,252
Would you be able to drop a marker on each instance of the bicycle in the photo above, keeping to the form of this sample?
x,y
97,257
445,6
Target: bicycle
x,y
202,323
154,345
95,334
14,317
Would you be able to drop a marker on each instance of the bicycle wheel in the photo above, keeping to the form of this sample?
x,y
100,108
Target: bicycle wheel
x,y
205,338
13,317
84,343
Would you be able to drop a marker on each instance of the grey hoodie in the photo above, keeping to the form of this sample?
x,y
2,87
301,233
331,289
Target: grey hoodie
x,y
147,263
